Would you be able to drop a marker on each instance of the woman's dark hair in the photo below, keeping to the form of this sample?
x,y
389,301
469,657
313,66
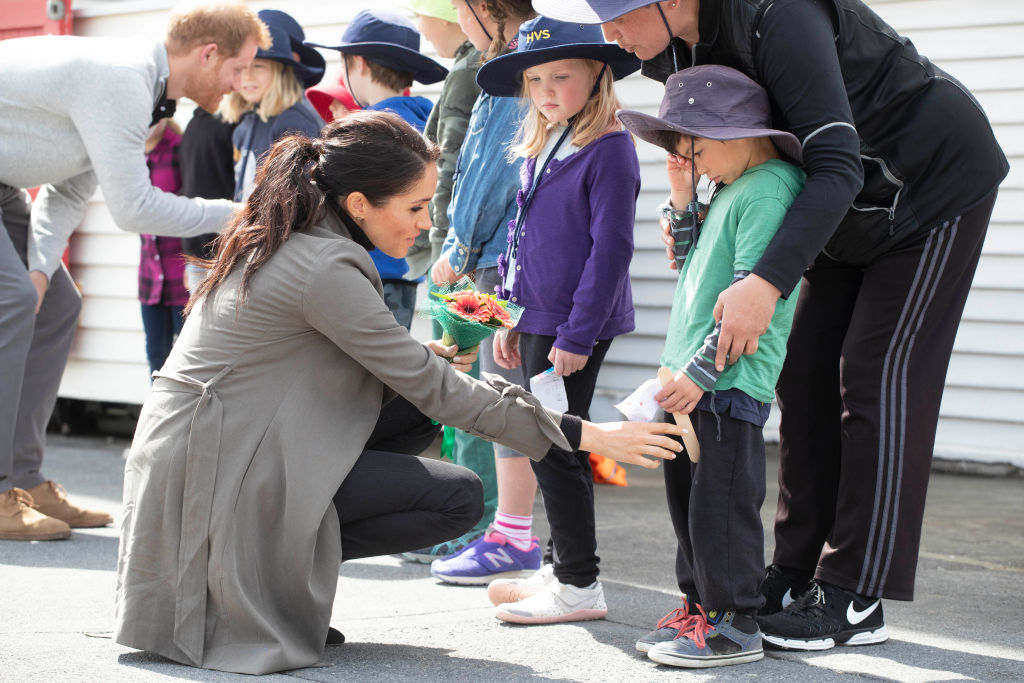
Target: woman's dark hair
x,y
375,153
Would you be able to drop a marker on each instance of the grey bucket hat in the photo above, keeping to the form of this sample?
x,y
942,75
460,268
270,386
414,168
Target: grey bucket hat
x,y
588,11
714,102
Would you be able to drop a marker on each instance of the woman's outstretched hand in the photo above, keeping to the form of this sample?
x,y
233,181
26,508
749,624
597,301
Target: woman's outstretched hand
x,y
462,363
635,443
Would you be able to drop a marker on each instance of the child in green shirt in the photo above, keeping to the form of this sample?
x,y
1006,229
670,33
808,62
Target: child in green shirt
x,y
715,122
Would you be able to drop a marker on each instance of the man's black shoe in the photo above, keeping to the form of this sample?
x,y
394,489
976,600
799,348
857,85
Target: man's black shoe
x,y
781,586
823,617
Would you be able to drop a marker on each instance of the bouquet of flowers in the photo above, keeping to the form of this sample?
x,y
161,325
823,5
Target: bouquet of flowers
x,y
468,316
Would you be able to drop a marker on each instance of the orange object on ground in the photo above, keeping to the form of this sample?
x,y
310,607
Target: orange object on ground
x,y
607,471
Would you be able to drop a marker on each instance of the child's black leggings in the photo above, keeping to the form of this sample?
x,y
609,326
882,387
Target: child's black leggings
x,y
565,480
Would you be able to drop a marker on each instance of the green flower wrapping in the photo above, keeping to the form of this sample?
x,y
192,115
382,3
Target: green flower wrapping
x,y
468,316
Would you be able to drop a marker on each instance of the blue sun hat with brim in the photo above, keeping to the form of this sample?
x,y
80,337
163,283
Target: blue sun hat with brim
x,y
388,39
287,36
588,11
543,40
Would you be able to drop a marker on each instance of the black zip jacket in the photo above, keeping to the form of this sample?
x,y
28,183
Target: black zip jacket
x,y
893,145
206,158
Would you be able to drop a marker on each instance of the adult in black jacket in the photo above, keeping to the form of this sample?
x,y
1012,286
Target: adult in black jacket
x,y
902,170
206,159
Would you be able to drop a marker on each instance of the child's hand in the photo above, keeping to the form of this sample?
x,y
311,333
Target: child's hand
x,y
680,177
666,237
566,362
680,395
442,273
506,349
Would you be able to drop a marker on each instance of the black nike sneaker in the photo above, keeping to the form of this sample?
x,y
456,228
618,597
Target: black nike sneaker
x,y
823,617
781,586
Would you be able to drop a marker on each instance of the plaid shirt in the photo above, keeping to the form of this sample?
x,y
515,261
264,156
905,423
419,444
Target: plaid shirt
x,y
161,264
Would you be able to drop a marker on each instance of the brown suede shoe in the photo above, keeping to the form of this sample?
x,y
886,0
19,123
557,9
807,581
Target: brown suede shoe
x,y
20,522
52,500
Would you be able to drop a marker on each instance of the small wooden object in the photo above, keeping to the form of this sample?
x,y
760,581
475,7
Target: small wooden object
x,y
689,438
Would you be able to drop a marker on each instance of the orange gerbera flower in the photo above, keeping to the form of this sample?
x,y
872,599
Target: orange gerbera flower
x,y
470,305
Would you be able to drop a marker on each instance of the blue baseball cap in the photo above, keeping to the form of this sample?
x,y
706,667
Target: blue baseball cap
x,y
391,40
544,40
287,36
588,11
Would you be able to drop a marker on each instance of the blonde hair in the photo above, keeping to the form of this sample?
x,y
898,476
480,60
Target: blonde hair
x,y
284,91
595,119
226,24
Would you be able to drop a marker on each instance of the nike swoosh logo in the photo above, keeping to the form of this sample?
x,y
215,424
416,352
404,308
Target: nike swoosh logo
x,y
855,617
787,598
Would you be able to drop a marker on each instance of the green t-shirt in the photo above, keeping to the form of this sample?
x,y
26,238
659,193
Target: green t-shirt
x,y
740,223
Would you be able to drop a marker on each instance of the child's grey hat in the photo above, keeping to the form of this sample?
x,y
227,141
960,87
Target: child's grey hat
x,y
714,102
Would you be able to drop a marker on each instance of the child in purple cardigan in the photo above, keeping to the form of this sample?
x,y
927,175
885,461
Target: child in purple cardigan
x,y
567,265
162,293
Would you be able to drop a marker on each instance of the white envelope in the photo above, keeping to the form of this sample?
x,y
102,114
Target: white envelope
x,y
549,388
640,406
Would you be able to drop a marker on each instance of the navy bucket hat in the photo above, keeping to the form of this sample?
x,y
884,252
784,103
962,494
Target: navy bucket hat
x,y
588,11
287,36
388,39
544,40
714,102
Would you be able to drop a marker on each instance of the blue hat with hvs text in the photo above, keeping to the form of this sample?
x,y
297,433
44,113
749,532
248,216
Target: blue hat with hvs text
x,y
391,40
544,40
287,47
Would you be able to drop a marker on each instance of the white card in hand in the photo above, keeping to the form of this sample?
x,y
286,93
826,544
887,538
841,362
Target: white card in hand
x,y
640,406
549,388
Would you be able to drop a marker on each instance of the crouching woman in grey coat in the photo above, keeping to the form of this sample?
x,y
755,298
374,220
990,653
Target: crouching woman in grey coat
x,y
250,479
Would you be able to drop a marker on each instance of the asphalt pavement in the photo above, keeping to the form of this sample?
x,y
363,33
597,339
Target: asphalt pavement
x,y
967,623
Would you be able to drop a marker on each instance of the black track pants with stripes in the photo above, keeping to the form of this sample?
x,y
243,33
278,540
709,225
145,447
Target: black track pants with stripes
x,y
859,395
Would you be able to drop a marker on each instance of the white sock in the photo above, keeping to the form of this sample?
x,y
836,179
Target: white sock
x,y
517,529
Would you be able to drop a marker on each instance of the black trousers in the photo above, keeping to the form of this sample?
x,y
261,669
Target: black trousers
x,y
392,501
860,394
715,506
565,480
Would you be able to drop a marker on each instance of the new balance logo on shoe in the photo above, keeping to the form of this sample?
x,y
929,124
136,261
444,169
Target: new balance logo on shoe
x,y
855,617
787,599
498,557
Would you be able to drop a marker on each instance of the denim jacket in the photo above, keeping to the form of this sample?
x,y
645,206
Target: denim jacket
x,y
485,186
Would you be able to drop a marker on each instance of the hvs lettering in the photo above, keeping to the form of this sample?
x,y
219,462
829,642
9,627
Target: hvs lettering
x,y
543,34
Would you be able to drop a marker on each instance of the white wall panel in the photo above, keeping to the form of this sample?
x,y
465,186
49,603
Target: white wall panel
x,y
981,44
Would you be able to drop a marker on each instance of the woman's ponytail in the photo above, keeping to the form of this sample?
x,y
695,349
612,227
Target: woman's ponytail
x,y
284,199
375,153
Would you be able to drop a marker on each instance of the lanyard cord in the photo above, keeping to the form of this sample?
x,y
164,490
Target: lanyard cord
x,y
671,38
348,83
513,246
473,12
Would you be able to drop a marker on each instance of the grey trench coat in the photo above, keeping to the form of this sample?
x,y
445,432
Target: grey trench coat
x,y
230,542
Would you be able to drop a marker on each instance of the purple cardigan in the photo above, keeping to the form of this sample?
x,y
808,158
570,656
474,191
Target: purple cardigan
x,y
576,245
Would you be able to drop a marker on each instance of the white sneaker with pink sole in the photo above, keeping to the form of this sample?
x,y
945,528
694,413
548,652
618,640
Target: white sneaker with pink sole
x,y
555,603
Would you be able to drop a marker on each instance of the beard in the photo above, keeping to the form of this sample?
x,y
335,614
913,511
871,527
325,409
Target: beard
x,y
204,89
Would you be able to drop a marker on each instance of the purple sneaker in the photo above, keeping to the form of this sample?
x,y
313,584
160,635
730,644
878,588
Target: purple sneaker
x,y
489,557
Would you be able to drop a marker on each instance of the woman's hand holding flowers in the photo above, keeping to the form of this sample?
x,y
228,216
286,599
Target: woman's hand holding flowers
x,y
462,363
